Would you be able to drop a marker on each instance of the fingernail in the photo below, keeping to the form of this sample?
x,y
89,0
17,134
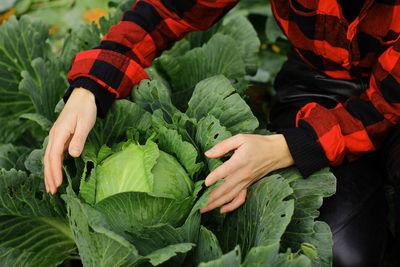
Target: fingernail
x,y
209,152
74,151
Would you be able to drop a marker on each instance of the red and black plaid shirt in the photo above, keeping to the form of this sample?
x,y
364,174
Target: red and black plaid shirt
x,y
367,47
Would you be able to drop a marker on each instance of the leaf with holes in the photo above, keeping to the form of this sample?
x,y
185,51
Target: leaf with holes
x,y
308,195
209,133
262,220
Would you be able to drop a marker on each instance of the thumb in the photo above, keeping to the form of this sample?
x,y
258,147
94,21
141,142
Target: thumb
x,y
78,140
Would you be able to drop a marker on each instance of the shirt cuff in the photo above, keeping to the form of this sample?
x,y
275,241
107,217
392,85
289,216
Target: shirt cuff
x,y
104,98
307,153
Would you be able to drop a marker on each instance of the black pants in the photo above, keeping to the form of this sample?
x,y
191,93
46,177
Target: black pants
x,y
357,212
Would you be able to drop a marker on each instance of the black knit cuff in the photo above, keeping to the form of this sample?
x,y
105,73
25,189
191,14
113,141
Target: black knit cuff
x,y
307,153
104,98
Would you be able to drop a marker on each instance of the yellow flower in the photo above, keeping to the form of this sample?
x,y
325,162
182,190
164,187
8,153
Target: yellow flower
x,y
275,48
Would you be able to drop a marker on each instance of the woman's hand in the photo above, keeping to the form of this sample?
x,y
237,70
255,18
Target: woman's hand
x,y
254,157
69,131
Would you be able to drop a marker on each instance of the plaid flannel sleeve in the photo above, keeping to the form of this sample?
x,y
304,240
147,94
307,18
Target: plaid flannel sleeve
x,y
359,125
150,27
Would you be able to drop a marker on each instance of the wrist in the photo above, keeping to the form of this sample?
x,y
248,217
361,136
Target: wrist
x,y
306,151
285,155
81,92
102,97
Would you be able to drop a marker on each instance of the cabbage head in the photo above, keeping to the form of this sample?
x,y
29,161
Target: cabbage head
x,y
145,168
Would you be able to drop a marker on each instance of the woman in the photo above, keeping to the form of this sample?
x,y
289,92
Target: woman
x,y
338,101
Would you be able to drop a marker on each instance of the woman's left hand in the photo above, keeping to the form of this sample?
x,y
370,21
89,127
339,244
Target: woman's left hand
x,y
254,156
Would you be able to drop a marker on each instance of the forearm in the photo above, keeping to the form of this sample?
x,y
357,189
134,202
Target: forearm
x,y
150,27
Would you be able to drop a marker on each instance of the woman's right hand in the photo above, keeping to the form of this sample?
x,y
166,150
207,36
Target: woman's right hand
x,y
69,131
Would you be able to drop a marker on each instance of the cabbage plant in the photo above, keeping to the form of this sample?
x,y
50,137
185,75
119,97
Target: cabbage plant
x,y
135,201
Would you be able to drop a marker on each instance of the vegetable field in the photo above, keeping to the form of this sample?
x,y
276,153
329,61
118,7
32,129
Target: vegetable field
x,y
133,197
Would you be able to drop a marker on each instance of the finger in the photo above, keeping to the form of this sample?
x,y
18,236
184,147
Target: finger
x,y
236,202
239,178
46,168
221,196
56,157
225,146
224,170
79,138
55,170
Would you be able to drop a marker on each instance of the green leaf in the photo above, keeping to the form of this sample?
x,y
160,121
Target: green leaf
x,y
34,162
308,195
97,245
23,6
122,116
243,32
160,243
42,121
6,5
154,74
217,56
273,31
309,250
34,241
33,230
195,39
217,97
24,195
268,256
182,47
262,255
87,189
13,257
170,141
207,248
20,42
131,211
163,254
45,86
231,259
263,218
13,157
11,130
237,27
153,95
190,229
181,123
209,133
